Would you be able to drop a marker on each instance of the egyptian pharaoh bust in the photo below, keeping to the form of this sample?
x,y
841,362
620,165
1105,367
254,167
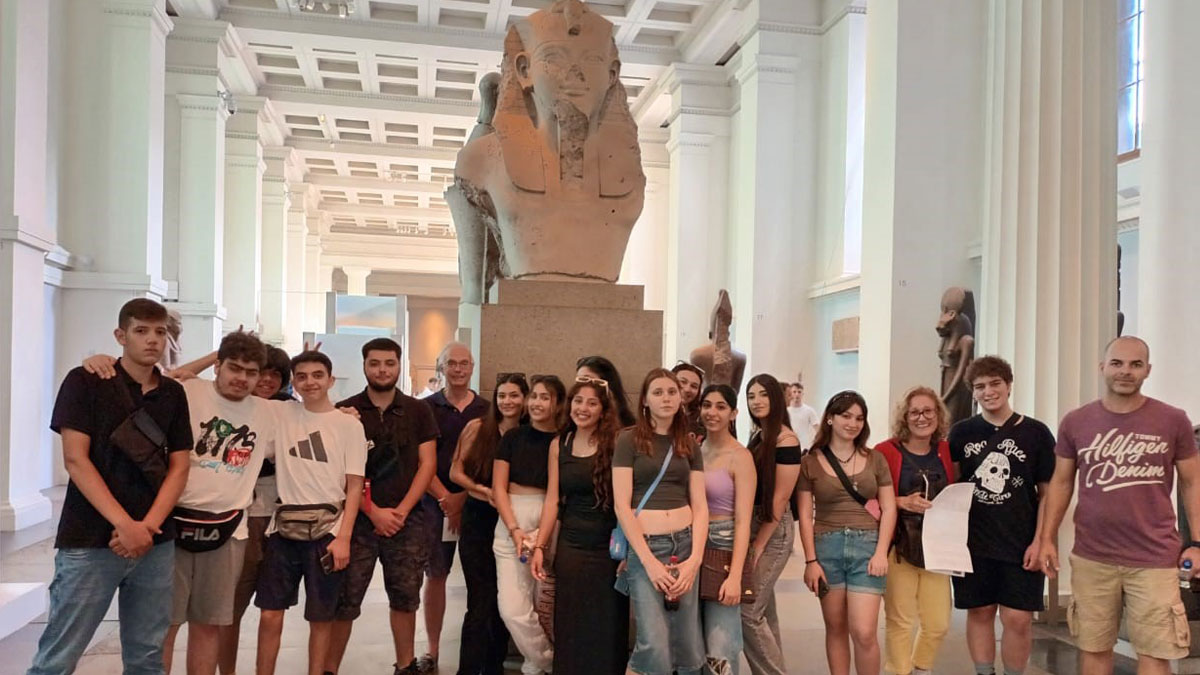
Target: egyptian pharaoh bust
x,y
551,186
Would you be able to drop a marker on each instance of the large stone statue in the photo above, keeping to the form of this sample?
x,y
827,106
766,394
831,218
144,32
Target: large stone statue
x,y
721,363
957,328
551,186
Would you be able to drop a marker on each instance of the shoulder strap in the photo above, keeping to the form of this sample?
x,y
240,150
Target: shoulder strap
x,y
837,468
657,479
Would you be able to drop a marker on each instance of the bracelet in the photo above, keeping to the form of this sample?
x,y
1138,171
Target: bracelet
x,y
809,562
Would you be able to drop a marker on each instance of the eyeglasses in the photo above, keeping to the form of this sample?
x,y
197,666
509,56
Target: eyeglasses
x,y
918,414
505,376
584,379
459,364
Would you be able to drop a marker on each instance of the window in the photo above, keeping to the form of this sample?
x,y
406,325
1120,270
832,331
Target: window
x,y
1129,72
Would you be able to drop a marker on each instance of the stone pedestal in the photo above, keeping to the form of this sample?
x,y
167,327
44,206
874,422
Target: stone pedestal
x,y
546,326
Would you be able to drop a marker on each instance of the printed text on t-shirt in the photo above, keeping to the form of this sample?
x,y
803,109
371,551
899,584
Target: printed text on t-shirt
x,y
233,445
1114,460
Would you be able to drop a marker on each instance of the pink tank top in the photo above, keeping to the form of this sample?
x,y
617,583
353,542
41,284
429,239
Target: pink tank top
x,y
718,488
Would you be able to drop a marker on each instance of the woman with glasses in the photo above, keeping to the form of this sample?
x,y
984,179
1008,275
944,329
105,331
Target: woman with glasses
x,y
915,599
776,453
484,637
519,481
729,480
666,535
602,369
591,619
847,515
691,378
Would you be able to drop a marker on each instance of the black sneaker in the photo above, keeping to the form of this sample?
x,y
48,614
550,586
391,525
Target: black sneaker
x,y
410,669
426,664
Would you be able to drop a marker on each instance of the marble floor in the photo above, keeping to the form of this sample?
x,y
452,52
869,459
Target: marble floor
x,y
28,556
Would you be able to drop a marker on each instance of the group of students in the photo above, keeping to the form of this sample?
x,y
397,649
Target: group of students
x,y
189,497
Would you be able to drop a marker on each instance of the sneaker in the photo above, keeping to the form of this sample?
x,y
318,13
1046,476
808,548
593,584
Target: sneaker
x,y
410,669
426,664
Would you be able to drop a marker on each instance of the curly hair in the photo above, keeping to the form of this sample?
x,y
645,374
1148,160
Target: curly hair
x,y
989,366
241,346
900,416
605,436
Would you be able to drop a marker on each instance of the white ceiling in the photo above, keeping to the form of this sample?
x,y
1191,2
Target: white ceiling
x,y
377,105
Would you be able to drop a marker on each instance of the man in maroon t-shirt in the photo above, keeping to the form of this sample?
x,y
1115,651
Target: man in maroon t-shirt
x,y
1126,449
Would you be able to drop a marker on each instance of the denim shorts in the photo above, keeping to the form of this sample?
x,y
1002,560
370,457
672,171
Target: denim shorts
x,y
844,555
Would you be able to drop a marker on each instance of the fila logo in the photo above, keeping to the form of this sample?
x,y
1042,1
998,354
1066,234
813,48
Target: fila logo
x,y
312,449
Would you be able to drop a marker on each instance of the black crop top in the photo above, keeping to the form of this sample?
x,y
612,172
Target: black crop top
x,y
527,451
787,454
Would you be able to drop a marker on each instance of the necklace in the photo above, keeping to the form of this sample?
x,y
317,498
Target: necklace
x,y
847,460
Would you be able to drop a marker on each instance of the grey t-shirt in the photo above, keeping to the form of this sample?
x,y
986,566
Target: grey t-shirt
x,y
672,491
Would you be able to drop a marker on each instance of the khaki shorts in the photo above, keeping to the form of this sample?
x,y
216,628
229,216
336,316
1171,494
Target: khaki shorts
x,y
1149,597
205,583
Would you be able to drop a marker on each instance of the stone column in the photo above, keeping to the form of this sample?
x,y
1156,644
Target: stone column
x,y
112,166
772,200
1169,238
244,169
643,263
316,277
25,238
296,268
922,195
698,191
356,279
194,172
1050,230
274,263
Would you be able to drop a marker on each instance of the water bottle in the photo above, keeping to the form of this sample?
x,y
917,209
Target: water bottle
x,y
1185,575
670,603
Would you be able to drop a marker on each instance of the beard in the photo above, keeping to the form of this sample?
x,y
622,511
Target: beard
x,y
383,386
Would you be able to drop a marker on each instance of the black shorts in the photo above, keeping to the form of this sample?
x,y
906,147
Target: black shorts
x,y
441,553
285,563
403,557
996,582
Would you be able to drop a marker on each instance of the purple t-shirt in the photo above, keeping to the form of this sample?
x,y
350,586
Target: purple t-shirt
x,y
1126,466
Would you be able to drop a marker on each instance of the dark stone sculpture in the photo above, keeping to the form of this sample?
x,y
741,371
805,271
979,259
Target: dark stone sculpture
x,y
957,328
721,363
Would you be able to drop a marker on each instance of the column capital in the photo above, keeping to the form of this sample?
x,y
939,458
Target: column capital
x,y
134,10
202,106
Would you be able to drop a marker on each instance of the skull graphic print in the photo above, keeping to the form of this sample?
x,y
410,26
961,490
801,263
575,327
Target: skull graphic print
x,y
993,473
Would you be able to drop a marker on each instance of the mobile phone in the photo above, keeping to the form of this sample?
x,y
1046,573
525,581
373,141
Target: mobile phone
x,y
822,588
327,562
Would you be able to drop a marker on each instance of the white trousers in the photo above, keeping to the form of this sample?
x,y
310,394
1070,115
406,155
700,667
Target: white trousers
x,y
518,587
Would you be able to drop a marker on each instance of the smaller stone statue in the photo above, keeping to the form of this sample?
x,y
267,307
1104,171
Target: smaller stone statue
x,y
957,328
719,360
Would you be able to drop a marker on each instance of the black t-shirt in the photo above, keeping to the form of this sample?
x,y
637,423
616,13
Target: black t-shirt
x,y
95,407
920,474
450,423
527,452
584,524
394,438
1006,472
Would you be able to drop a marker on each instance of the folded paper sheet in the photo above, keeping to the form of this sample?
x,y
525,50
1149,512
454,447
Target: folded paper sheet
x,y
945,531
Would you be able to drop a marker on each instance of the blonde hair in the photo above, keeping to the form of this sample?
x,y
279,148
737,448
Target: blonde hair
x,y
900,417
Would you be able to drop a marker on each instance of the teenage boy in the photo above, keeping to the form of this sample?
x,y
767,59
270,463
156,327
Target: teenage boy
x,y
452,407
1010,458
401,461
1126,448
125,443
319,468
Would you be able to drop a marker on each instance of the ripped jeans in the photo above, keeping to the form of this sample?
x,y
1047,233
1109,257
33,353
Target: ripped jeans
x,y
722,623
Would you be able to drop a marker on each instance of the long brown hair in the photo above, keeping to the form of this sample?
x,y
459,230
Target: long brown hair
x,y
768,429
605,436
477,463
643,431
840,403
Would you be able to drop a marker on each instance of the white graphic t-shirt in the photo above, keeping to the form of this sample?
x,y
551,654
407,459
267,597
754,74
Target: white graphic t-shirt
x,y
1126,468
232,438
316,453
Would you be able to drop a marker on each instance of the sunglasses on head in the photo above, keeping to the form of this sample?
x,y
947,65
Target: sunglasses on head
x,y
584,379
690,365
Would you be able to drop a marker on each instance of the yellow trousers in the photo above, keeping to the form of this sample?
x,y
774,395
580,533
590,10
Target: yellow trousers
x,y
915,600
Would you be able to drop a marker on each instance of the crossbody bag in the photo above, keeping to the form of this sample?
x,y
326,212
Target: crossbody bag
x,y
140,439
871,505
618,543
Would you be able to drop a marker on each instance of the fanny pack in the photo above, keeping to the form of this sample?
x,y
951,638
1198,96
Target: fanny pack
x,y
140,439
618,543
306,522
199,531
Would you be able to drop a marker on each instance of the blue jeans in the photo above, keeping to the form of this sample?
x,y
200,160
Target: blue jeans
x,y
667,641
84,582
722,623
